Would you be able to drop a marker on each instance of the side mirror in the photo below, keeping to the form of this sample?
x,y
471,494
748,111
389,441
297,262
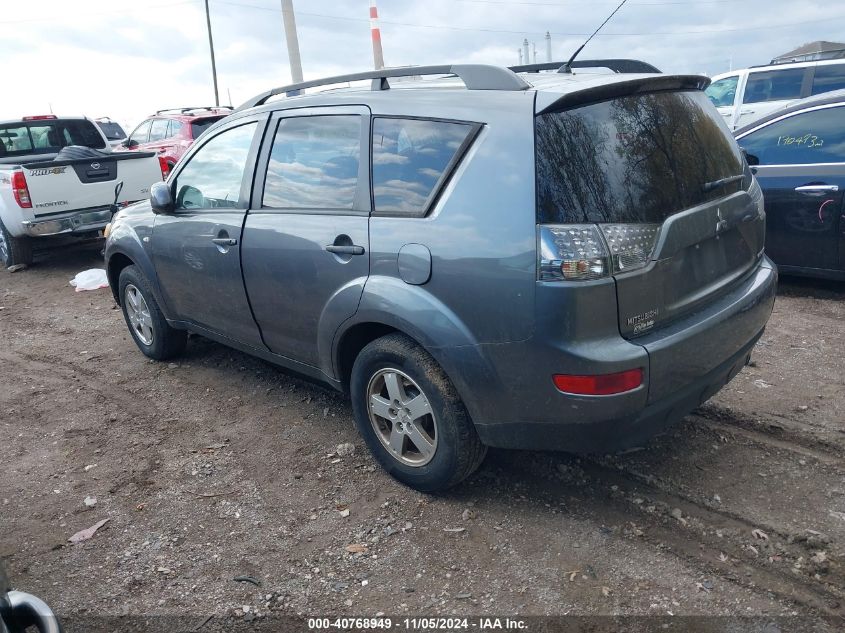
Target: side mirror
x,y
161,200
751,159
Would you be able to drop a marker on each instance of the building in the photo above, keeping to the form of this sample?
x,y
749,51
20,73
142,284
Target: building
x,y
811,52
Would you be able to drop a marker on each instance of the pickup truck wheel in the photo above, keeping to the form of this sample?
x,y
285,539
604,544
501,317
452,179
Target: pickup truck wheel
x,y
411,416
152,334
14,250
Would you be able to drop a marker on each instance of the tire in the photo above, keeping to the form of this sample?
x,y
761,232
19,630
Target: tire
x,y
395,369
150,330
14,250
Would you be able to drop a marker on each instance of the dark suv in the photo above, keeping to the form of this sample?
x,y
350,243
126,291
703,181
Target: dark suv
x,y
489,258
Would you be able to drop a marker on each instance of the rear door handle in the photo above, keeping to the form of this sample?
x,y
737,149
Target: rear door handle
x,y
225,241
817,190
345,249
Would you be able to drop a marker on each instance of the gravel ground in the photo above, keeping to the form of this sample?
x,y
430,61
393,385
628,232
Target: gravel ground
x,y
220,466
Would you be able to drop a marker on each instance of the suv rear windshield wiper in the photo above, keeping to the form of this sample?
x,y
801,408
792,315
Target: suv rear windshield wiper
x,y
715,184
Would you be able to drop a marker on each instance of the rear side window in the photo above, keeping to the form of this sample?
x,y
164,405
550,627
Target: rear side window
x,y
828,78
807,138
201,125
411,161
633,159
314,163
774,85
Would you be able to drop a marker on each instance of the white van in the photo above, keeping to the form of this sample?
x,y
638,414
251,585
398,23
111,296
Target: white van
x,y
743,96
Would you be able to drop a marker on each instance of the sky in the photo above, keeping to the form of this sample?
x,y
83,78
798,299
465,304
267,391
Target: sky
x,y
127,58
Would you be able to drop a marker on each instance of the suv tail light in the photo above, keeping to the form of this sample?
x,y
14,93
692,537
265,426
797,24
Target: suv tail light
x,y
165,168
580,252
20,190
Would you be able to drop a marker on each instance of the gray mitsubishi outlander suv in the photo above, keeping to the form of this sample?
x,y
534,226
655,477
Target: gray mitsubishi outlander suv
x,y
480,256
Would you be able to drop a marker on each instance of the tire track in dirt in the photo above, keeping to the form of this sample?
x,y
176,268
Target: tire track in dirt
x,y
702,537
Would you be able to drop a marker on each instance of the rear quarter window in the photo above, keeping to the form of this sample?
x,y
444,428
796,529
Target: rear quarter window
x,y
412,159
201,125
828,78
633,159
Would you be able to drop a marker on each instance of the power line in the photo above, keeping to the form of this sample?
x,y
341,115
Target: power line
x,y
512,32
64,18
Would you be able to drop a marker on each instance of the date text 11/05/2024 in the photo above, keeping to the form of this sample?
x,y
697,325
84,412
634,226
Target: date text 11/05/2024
x,y
418,624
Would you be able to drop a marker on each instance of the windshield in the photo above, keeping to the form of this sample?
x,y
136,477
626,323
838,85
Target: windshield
x,y
639,158
47,137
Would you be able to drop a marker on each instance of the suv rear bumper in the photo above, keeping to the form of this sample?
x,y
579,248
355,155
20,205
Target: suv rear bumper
x,y
75,222
608,423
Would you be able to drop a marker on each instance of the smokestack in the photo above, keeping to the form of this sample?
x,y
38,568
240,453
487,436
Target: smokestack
x,y
526,56
378,56
292,41
534,50
548,46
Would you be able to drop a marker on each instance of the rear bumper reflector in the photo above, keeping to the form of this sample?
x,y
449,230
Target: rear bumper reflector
x,y
599,385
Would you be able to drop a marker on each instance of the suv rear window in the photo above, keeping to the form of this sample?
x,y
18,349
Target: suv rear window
x,y
112,130
633,159
47,137
411,160
201,125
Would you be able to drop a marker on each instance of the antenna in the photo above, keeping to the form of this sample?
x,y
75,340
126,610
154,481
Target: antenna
x,y
567,67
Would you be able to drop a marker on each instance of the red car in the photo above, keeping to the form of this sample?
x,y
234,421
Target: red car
x,y
171,132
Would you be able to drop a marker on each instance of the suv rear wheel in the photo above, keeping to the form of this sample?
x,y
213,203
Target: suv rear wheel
x,y
411,416
152,334
14,250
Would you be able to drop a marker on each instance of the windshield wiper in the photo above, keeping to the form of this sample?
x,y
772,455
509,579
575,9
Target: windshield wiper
x,y
715,184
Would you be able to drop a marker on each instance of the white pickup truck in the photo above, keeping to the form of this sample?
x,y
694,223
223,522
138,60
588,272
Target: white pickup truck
x,y
59,177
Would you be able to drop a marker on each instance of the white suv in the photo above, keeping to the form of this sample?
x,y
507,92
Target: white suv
x,y
743,96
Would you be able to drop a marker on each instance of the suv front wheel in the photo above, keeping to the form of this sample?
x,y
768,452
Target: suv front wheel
x,y
411,416
150,330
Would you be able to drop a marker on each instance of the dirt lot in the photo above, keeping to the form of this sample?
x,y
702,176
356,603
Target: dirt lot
x,y
221,466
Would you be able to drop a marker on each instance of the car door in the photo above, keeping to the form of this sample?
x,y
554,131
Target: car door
x,y
767,90
157,141
197,248
801,169
306,244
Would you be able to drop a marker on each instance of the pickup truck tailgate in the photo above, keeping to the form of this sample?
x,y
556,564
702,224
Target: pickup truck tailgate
x,y
70,185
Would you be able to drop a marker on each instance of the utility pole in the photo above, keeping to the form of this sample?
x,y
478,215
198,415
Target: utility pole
x,y
375,31
292,41
211,50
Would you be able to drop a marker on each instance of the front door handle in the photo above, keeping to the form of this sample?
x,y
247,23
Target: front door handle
x,y
225,241
817,190
345,249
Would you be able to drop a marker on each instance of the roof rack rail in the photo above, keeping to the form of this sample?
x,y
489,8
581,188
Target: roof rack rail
x,y
474,76
183,110
616,65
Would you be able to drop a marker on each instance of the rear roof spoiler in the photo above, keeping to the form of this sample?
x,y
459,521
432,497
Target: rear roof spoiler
x,y
548,101
616,65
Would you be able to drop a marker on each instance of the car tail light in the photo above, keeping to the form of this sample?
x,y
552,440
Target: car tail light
x,y
572,252
165,168
40,117
599,385
580,252
20,190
